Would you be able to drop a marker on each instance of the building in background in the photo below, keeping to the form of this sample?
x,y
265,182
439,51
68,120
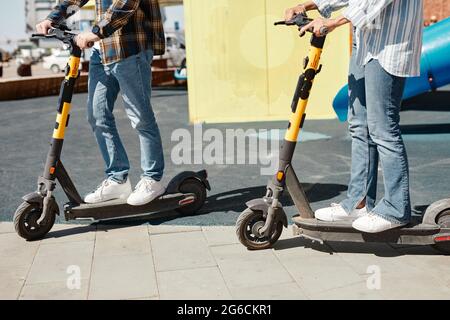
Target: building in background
x,y
436,9
84,18
35,11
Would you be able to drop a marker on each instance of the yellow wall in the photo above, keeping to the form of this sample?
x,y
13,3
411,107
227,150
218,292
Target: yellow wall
x,y
242,68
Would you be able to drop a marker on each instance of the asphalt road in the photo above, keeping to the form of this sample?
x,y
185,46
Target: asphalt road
x,y
322,161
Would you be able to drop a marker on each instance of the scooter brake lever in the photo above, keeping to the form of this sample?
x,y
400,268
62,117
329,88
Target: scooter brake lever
x,y
299,20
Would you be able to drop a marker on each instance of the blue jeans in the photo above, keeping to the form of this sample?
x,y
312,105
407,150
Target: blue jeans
x,y
375,100
132,78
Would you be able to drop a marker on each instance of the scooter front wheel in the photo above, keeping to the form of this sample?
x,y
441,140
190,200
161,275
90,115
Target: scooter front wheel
x,y
26,220
247,230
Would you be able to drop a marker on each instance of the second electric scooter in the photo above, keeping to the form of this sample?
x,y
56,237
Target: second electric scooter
x,y
34,218
261,224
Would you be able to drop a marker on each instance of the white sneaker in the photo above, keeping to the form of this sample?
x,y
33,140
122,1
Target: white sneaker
x,y
372,223
109,190
337,213
146,191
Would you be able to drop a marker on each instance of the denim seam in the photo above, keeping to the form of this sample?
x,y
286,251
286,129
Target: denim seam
x,y
403,163
366,177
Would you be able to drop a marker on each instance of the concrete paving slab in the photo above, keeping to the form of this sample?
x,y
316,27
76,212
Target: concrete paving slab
x,y
61,233
362,256
356,291
217,236
314,270
53,260
178,251
281,291
192,284
242,268
405,273
15,251
123,241
11,281
163,229
413,286
427,261
123,277
6,227
54,291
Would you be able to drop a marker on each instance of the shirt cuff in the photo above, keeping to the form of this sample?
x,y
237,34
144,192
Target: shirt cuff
x,y
324,7
356,15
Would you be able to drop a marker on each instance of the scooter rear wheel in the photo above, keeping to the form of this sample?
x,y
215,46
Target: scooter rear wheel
x,y
444,222
247,227
26,221
196,187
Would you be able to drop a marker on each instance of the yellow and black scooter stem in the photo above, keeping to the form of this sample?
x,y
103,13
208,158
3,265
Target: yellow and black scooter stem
x,y
63,114
311,68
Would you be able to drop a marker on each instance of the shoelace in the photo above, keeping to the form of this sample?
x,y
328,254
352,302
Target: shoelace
x,y
335,207
372,216
101,186
145,184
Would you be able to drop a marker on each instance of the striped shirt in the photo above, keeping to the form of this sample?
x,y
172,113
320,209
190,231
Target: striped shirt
x,y
127,26
387,30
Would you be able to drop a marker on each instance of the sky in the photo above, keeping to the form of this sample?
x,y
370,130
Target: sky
x,y
12,19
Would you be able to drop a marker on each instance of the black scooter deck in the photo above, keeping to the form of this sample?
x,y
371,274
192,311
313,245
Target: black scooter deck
x,y
116,209
414,233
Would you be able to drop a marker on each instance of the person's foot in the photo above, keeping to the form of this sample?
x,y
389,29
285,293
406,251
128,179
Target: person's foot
x,y
337,213
146,191
372,223
109,190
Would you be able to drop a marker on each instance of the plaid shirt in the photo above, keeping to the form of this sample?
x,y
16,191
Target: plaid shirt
x,y
127,26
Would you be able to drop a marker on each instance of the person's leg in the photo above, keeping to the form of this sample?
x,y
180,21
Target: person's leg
x,y
103,91
384,95
362,187
134,77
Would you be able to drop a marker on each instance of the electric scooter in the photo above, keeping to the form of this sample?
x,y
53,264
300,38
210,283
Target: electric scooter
x,y
261,224
34,218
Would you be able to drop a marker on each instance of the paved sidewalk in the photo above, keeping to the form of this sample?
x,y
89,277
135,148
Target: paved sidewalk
x,y
177,262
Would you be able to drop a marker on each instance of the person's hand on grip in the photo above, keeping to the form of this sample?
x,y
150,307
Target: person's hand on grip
x,y
44,26
292,12
319,26
86,39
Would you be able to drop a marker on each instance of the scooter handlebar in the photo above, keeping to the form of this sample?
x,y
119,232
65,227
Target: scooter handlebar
x,y
61,33
300,21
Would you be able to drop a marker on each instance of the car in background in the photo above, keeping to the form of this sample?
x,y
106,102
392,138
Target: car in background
x,y
57,61
175,49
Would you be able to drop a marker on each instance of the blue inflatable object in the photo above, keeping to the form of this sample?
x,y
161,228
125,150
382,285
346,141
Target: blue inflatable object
x,y
180,74
434,67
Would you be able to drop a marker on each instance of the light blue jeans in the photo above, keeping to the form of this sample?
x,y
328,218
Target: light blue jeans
x,y
375,100
132,78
